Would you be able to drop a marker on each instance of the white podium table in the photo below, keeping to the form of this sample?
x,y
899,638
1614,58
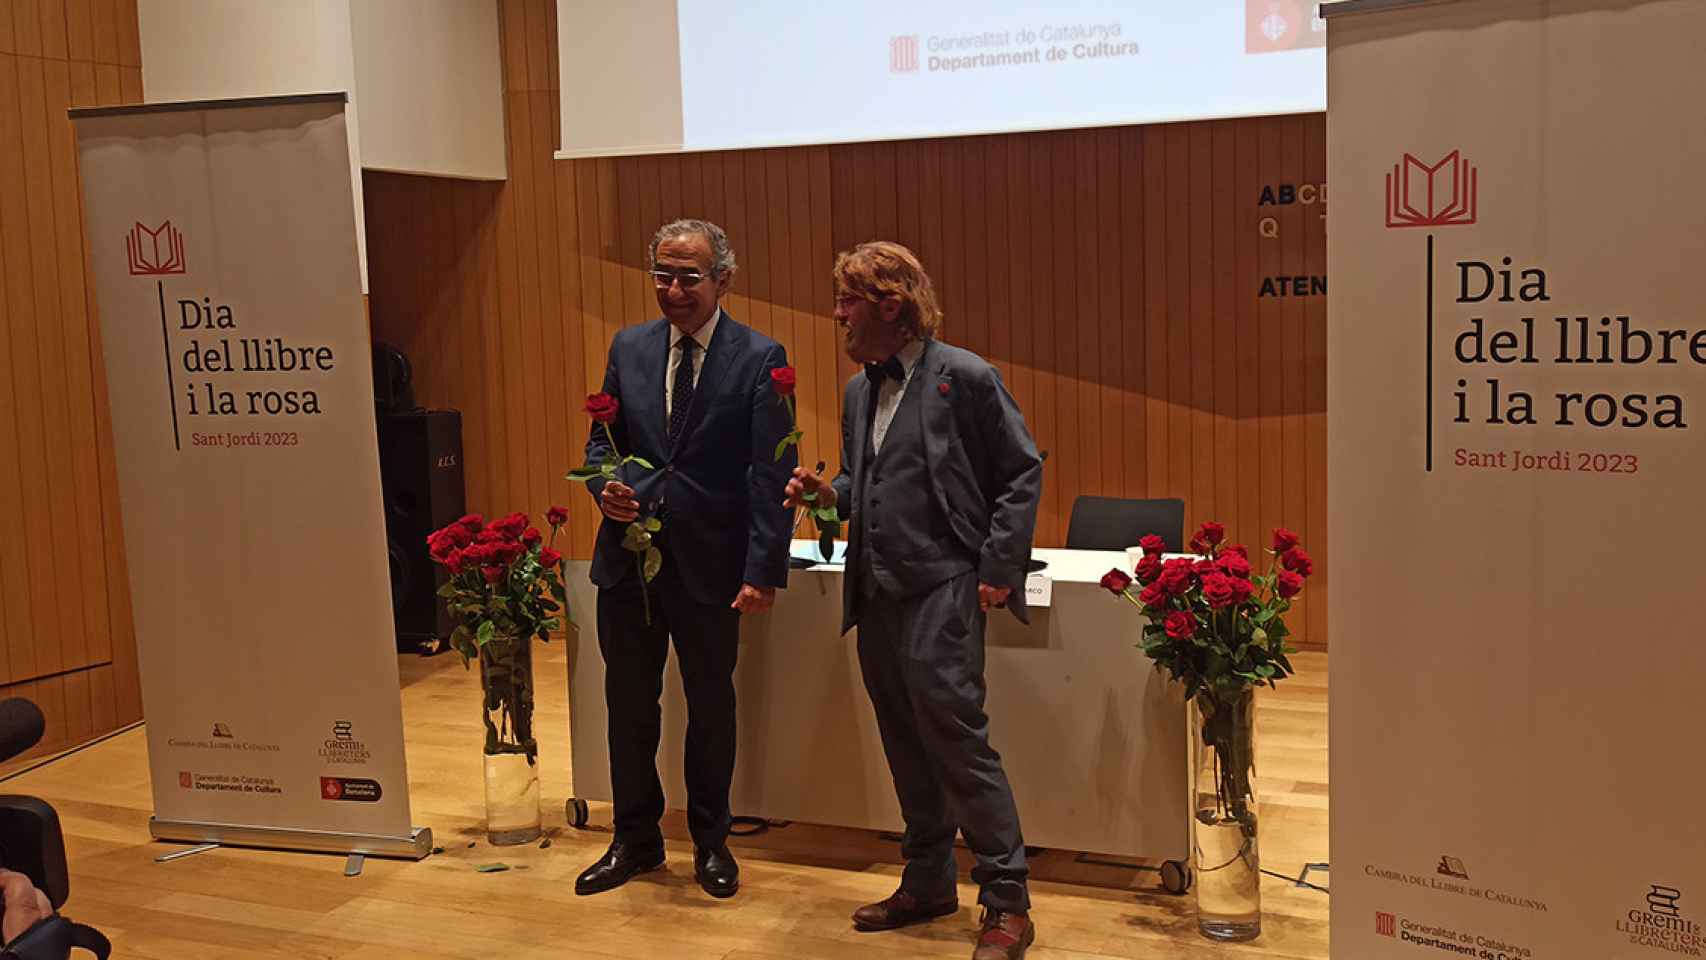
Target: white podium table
x,y
1093,739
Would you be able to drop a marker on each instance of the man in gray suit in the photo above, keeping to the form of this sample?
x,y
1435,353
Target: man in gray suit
x,y
939,482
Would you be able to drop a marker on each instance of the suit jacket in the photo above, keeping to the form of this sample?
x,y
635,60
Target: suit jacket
x,y
986,475
724,523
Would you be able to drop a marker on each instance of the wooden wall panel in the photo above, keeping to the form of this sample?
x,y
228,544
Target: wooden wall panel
x,y
1113,276
64,591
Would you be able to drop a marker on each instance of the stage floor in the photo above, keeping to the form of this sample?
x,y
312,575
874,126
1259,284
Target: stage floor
x,y
799,883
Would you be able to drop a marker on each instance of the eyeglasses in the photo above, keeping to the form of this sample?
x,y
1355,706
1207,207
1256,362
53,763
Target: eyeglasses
x,y
687,278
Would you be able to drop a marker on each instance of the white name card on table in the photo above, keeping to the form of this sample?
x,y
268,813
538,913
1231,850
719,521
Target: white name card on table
x,y
1039,590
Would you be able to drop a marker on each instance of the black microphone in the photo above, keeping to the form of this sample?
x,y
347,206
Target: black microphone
x,y
21,726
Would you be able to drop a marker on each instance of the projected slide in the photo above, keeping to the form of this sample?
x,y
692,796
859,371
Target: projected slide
x,y
782,72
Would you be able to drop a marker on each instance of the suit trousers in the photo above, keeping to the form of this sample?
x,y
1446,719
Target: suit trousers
x,y
707,638
922,658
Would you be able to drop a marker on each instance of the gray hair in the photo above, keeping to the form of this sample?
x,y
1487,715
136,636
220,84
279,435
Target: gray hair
x,y
722,254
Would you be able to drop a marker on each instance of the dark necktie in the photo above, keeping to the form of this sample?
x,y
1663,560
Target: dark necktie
x,y
889,368
681,398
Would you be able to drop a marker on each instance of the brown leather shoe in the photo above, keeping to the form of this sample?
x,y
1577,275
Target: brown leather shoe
x,y
1005,936
901,909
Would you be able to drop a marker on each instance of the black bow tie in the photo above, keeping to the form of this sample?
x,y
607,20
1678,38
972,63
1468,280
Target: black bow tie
x,y
890,368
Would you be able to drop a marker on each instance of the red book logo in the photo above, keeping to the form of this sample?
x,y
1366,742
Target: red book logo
x,y
1386,924
330,788
903,54
155,253
184,780
1443,195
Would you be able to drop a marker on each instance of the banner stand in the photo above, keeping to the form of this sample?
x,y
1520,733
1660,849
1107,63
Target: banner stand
x,y
417,846
238,365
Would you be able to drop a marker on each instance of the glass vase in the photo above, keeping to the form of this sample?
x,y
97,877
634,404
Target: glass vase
x,y
511,753
1223,824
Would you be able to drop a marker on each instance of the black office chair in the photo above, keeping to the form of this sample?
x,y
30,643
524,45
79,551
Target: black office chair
x,y
1111,523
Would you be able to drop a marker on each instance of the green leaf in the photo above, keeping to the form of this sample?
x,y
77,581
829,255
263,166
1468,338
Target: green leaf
x,y
584,474
653,524
448,590
639,460
654,563
809,497
487,631
781,447
1259,638
827,515
607,470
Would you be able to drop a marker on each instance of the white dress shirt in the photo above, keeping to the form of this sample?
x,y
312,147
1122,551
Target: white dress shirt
x,y
702,336
890,392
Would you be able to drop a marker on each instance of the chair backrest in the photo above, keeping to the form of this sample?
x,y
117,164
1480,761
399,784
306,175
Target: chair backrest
x,y
1110,523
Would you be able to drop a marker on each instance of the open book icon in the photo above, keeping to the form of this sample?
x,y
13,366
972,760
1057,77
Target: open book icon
x,y
156,252
1444,194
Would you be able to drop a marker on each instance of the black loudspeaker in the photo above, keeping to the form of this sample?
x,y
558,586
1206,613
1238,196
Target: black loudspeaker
x,y
420,468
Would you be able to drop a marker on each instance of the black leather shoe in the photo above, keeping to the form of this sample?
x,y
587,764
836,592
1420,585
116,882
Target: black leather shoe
x,y
716,870
619,864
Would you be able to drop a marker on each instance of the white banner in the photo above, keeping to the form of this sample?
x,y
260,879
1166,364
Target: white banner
x,y
222,241
1517,396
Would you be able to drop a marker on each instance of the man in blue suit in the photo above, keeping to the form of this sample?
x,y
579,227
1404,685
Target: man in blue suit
x,y
939,481
696,401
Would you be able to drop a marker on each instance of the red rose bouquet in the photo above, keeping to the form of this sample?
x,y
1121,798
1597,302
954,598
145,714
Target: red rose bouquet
x,y
505,587
1213,623
1218,627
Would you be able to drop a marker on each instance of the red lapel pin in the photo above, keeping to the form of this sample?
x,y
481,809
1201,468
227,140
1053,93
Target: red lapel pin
x,y
942,388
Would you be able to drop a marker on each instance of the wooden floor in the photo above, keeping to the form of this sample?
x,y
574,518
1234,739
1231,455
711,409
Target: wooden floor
x,y
799,883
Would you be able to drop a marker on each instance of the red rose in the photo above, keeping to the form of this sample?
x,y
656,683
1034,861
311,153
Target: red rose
x,y
1153,597
602,407
1196,546
557,516
549,557
1237,548
1153,545
1148,569
456,563
1235,566
1115,581
1289,584
1205,567
440,548
1178,575
1217,590
1284,540
531,537
782,379
1181,625
1241,590
1211,533
493,574
1298,562
512,525
472,522
513,551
